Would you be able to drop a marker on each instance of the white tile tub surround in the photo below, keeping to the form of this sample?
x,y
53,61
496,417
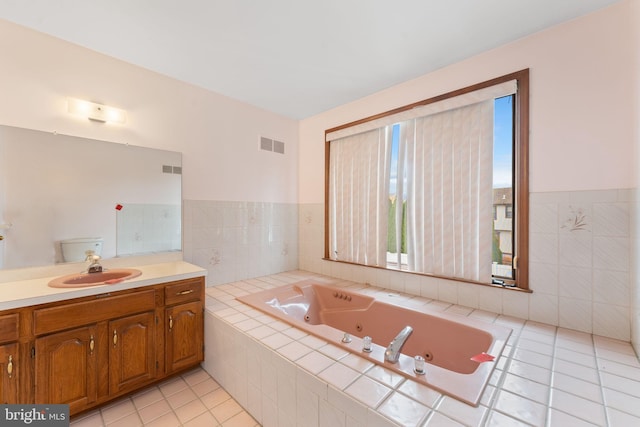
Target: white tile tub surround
x,y
547,376
240,240
580,264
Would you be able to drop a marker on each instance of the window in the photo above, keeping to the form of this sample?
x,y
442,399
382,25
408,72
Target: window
x,y
508,212
438,187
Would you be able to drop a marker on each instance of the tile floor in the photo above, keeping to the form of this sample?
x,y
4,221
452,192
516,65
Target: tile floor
x,y
191,400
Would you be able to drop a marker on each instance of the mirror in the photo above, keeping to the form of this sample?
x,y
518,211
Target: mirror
x,y
56,187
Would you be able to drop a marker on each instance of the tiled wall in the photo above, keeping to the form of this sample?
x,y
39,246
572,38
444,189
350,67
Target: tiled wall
x,y
580,257
240,240
580,265
148,228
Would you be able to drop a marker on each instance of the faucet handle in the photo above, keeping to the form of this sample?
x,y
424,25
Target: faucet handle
x,y
89,255
94,264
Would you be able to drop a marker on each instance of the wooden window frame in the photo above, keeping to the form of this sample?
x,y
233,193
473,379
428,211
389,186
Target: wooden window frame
x,y
521,173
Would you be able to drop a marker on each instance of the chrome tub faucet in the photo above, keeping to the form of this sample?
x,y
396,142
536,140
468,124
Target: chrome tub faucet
x,y
392,353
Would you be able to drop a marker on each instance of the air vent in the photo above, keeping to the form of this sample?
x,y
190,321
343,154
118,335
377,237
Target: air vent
x,y
177,170
278,147
266,144
269,144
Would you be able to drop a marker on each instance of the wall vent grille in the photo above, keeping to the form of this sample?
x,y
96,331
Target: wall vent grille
x,y
278,147
269,144
177,170
266,144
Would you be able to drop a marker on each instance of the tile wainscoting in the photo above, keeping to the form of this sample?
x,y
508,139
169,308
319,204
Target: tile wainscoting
x,y
239,240
580,265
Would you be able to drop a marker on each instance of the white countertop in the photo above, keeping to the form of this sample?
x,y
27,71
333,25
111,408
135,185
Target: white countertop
x,y
22,293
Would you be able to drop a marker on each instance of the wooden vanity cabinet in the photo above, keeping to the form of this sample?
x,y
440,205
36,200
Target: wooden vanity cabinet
x,y
184,324
132,352
9,358
9,367
87,351
66,368
184,317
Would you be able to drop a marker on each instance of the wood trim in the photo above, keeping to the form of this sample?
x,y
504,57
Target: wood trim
x,y
521,208
521,153
327,153
58,318
492,82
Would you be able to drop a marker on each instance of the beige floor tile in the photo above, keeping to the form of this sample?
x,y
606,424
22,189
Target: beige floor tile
x,y
226,410
131,420
182,398
190,410
167,420
205,387
147,397
173,386
155,410
92,419
203,420
242,419
117,410
215,398
196,376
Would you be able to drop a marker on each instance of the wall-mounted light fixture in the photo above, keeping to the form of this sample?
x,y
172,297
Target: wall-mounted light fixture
x,y
96,112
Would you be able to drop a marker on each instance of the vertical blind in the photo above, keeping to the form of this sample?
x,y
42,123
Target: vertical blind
x,y
444,173
449,193
359,187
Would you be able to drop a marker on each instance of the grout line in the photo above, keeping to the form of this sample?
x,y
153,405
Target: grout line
x,y
551,380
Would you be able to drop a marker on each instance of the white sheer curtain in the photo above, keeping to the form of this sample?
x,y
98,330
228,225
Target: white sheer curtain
x,y
359,197
449,193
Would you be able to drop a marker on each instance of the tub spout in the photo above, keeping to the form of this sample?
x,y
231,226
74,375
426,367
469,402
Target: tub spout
x,y
392,354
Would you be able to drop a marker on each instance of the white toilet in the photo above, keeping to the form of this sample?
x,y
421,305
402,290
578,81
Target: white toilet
x,y
74,250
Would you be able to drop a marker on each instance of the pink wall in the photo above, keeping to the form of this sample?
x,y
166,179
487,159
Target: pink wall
x,y
582,120
218,136
635,226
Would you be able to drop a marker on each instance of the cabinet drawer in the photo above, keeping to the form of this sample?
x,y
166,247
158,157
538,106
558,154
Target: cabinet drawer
x,y
183,291
9,328
68,315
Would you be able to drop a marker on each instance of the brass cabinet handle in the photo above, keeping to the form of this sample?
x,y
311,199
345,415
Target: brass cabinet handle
x,y
92,344
115,337
170,323
187,292
10,366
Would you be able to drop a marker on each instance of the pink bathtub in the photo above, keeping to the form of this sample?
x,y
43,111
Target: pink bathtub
x,y
460,352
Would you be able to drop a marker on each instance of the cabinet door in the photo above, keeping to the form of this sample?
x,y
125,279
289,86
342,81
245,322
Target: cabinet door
x,y
9,373
132,355
184,335
66,368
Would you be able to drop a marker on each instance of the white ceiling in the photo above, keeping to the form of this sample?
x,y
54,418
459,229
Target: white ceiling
x,y
293,57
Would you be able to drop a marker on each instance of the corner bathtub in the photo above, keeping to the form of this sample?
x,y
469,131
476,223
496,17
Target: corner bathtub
x,y
460,353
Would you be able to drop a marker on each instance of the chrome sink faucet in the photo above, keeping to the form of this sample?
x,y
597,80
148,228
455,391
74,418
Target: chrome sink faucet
x,y
94,263
392,353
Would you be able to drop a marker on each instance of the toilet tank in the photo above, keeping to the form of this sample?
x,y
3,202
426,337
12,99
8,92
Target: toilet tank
x,y
74,250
